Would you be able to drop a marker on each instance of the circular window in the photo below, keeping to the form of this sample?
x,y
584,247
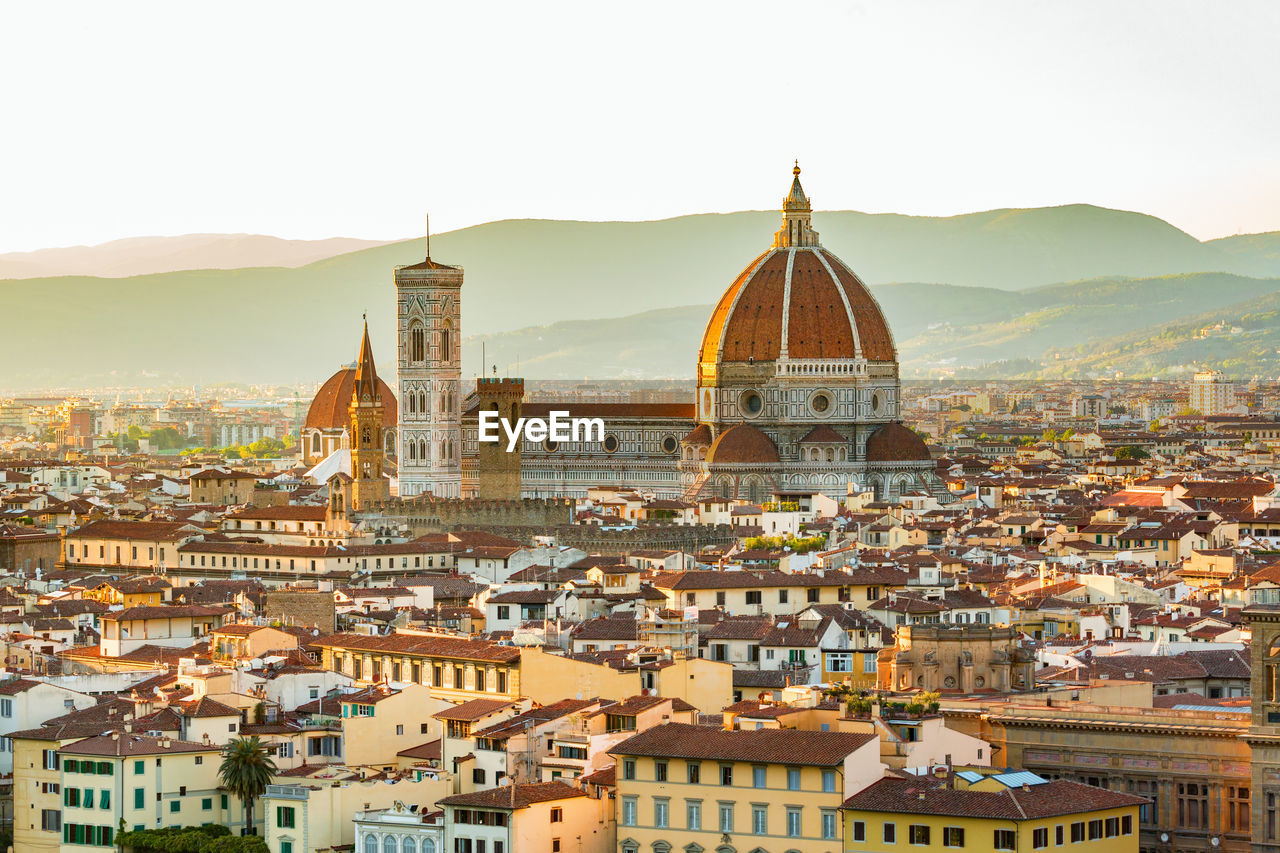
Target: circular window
x,y
610,443
550,446
875,403
820,403
669,444
751,402
979,681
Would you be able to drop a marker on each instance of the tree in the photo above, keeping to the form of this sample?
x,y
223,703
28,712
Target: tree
x,y
246,771
266,446
1130,451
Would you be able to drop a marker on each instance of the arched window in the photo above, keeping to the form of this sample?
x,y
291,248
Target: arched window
x,y
413,399
417,343
389,844
422,449
408,845
422,402
412,451
371,843
445,351
428,845
317,445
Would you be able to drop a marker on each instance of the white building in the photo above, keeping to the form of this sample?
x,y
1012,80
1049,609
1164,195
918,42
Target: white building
x,y
1212,393
403,828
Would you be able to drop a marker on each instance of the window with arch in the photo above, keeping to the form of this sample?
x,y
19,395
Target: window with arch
x,y
412,450
422,402
417,343
408,845
389,844
413,398
371,843
445,342
422,449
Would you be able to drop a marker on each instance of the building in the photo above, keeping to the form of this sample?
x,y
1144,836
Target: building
x,y
327,429
135,545
411,828
798,393
964,658
314,813
172,626
681,786
1016,811
455,669
217,487
546,816
140,781
1264,725
429,366
1212,393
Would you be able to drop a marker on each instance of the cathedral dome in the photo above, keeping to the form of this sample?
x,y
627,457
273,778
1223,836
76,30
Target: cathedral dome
x,y
742,444
329,407
895,443
797,300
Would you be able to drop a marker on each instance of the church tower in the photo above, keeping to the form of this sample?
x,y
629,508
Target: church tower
x,y
368,485
497,470
429,344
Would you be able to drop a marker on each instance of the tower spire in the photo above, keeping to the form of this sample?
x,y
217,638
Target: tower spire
x,y
796,212
366,384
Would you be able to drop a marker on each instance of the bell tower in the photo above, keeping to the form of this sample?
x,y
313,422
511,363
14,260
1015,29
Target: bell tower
x,y
429,367
368,485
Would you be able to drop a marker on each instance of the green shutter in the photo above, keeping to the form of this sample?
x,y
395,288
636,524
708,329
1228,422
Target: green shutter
x,y
106,768
104,801
206,804
139,767
88,798
69,765
139,798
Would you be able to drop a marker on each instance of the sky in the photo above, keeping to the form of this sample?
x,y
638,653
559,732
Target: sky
x,y
315,119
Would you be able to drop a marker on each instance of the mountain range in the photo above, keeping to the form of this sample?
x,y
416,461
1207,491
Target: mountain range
x,y
1043,291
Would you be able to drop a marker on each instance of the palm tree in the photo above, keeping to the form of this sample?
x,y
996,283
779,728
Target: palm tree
x,y
246,771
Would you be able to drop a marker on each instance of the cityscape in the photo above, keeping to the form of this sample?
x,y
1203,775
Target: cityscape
x,y
612,518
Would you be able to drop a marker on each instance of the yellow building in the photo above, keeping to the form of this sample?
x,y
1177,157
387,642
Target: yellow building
x,y
683,785
150,591
313,813
243,641
454,668
1016,811
146,782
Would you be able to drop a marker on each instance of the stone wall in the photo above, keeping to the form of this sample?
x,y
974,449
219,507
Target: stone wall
x,y
307,608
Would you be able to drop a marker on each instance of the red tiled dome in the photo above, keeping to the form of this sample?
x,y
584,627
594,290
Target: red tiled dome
x,y
829,312
329,407
896,443
699,436
742,444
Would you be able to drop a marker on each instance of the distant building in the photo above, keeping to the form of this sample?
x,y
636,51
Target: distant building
x,y
1091,406
1212,393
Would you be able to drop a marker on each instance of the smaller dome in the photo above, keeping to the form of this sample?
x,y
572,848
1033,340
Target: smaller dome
x,y
329,407
895,443
822,434
699,436
743,444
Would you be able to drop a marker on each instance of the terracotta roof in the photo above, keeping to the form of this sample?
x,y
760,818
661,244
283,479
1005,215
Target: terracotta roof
x,y
514,796
742,443
452,647
173,611
130,744
830,313
429,751
781,746
329,406
150,531
922,796
476,709
823,434
699,436
895,443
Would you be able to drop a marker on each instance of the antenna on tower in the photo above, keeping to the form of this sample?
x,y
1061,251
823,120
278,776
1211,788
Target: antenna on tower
x,y
483,359
428,236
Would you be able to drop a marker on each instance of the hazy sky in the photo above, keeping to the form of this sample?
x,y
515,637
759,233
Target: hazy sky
x,y
321,119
